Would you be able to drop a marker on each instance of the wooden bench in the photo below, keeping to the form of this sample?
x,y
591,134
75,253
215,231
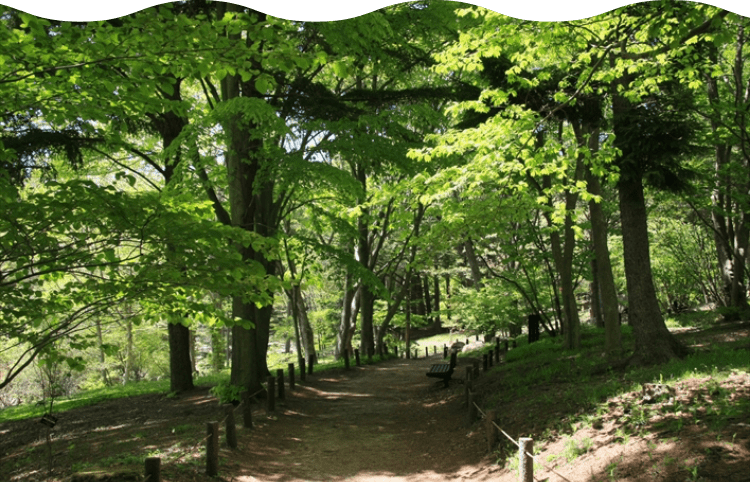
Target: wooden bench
x,y
443,370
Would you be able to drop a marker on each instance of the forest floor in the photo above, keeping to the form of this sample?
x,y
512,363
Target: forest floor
x,y
389,422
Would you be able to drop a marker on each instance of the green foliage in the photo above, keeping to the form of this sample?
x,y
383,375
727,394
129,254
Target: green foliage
x,y
226,392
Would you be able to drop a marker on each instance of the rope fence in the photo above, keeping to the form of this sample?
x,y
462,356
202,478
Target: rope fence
x,y
525,445
153,465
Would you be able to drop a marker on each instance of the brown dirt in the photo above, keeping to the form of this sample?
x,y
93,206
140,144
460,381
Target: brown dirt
x,y
389,422
375,423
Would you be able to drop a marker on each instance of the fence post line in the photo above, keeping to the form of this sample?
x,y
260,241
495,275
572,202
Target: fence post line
x,y
525,463
153,469
290,370
434,349
356,357
280,383
475,363
485,362
395,350
490,417
497,353
445,351
506,346
310,366
346,358
270,393
247,411
302,369
231,429
471,414
212,449
489,359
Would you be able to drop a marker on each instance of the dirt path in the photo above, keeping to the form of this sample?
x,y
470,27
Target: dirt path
x,y
384,422
387,422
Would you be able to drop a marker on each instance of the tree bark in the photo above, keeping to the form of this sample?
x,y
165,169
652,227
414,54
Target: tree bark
x,y
654,343
306,331
606,291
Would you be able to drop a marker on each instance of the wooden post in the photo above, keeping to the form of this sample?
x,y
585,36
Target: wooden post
x,y
434,349
346,359
471,414
445,351
416,354
477,338
427,352
212,449
490,356
310,367
270,394
395,351
467,341
356,357
280,383
506,346
290,370
497,354
468,383
485,362
475,363
302,369
153,469
489,419
247,411
231,427
525,463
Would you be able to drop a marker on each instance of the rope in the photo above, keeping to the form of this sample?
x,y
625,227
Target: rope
x,y
207,436
533,457
189,451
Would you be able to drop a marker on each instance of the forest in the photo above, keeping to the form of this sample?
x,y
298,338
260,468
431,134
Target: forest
x,y
199,188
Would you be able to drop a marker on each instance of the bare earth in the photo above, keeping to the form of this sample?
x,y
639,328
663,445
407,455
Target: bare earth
x,y
385,422
375,423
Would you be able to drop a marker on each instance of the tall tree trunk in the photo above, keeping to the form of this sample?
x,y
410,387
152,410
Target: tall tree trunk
x,y
180,364
253,208
436,298
654,343
595,308
306,331
607,292
367,297
343,337
427,302
128,372
471,257
729,217
102,355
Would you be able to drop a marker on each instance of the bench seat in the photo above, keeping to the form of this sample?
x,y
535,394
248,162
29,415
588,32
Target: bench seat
x,y
443,371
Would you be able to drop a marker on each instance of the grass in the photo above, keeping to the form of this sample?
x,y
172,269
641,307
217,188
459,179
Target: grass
x,y
93,397
572,388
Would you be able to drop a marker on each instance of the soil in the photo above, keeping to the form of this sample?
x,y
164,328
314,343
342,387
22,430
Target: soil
x,y
389,422
378,422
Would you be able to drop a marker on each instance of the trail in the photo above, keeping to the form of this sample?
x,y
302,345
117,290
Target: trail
x,y
384,422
